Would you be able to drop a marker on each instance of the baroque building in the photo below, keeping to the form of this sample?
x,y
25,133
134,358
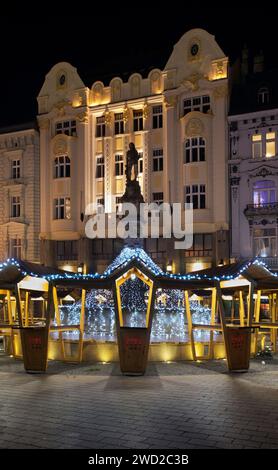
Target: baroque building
x,y
253,164
20,193
177,119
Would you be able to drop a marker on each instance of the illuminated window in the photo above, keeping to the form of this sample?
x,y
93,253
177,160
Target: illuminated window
x,y
196,194
264,192
195,150
158,198
270,144
15,169
15,206
16,248
264,242
62,167
119,165
197,103
158,160
137,120
119,123
157,117
66,127
257,146
100,167
263,95
100,126
62,208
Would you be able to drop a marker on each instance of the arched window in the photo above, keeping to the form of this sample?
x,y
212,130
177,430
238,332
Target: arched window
x,y
62,167
264,192
195,150
263,95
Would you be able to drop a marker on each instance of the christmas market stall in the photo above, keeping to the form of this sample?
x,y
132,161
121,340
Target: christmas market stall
x,y
134,311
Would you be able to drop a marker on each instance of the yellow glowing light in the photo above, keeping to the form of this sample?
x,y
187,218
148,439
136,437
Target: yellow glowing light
x,y
197,266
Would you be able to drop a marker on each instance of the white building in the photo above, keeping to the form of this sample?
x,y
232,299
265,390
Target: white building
x,y
20,193
177,119
254,163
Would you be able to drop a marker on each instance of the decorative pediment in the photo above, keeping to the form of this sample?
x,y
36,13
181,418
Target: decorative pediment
x,y
263,172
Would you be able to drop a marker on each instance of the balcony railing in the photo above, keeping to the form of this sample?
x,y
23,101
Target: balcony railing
x,y
261,209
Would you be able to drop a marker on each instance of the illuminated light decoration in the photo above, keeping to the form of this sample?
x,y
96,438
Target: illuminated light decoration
x,y
138,254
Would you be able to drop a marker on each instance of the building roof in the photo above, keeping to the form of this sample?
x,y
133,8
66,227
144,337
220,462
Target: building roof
x,y
244,95
25,126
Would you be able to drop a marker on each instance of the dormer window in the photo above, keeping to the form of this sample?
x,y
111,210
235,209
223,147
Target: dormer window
x,y
263,95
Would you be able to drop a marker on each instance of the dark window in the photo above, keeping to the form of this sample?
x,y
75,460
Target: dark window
x,y
100,127
197,103
157,117
158,160
66,250
196,194
66,127
119,165
195,150
100,167
119,123
137,120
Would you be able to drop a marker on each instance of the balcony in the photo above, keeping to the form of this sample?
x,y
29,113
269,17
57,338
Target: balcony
x,y
270,208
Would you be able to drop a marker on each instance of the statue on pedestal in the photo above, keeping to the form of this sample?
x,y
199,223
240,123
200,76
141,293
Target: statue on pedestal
x,y
132,191
132,158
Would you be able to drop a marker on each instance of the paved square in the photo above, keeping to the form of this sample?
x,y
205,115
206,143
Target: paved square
x,y
178,405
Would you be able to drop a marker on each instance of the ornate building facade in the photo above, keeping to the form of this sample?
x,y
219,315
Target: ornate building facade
x,y
253,164
20,193
177,119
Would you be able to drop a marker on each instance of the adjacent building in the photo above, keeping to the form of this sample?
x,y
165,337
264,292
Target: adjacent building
x,y
253,164
20,193
177,119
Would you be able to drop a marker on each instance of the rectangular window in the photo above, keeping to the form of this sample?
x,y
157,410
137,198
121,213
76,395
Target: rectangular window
x,y
158,198
196,194
201,246
118,204
100,167
257,146
158,160
62,208
137,120
270,150
66,127
265,242
197,103
15,206
100,126
140,162
100,205
119,123
157,117
66,250
119,165
16,248
62,167
15,169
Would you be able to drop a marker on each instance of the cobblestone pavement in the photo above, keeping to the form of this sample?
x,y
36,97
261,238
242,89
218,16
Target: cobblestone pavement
x,y
181,405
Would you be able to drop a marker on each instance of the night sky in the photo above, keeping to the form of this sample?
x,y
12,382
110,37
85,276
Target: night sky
x,y
102,47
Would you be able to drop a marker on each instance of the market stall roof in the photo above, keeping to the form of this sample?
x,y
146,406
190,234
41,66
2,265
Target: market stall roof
x,y
13,271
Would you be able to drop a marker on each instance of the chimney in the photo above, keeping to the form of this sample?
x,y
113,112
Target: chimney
x,y
258,65
244,61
